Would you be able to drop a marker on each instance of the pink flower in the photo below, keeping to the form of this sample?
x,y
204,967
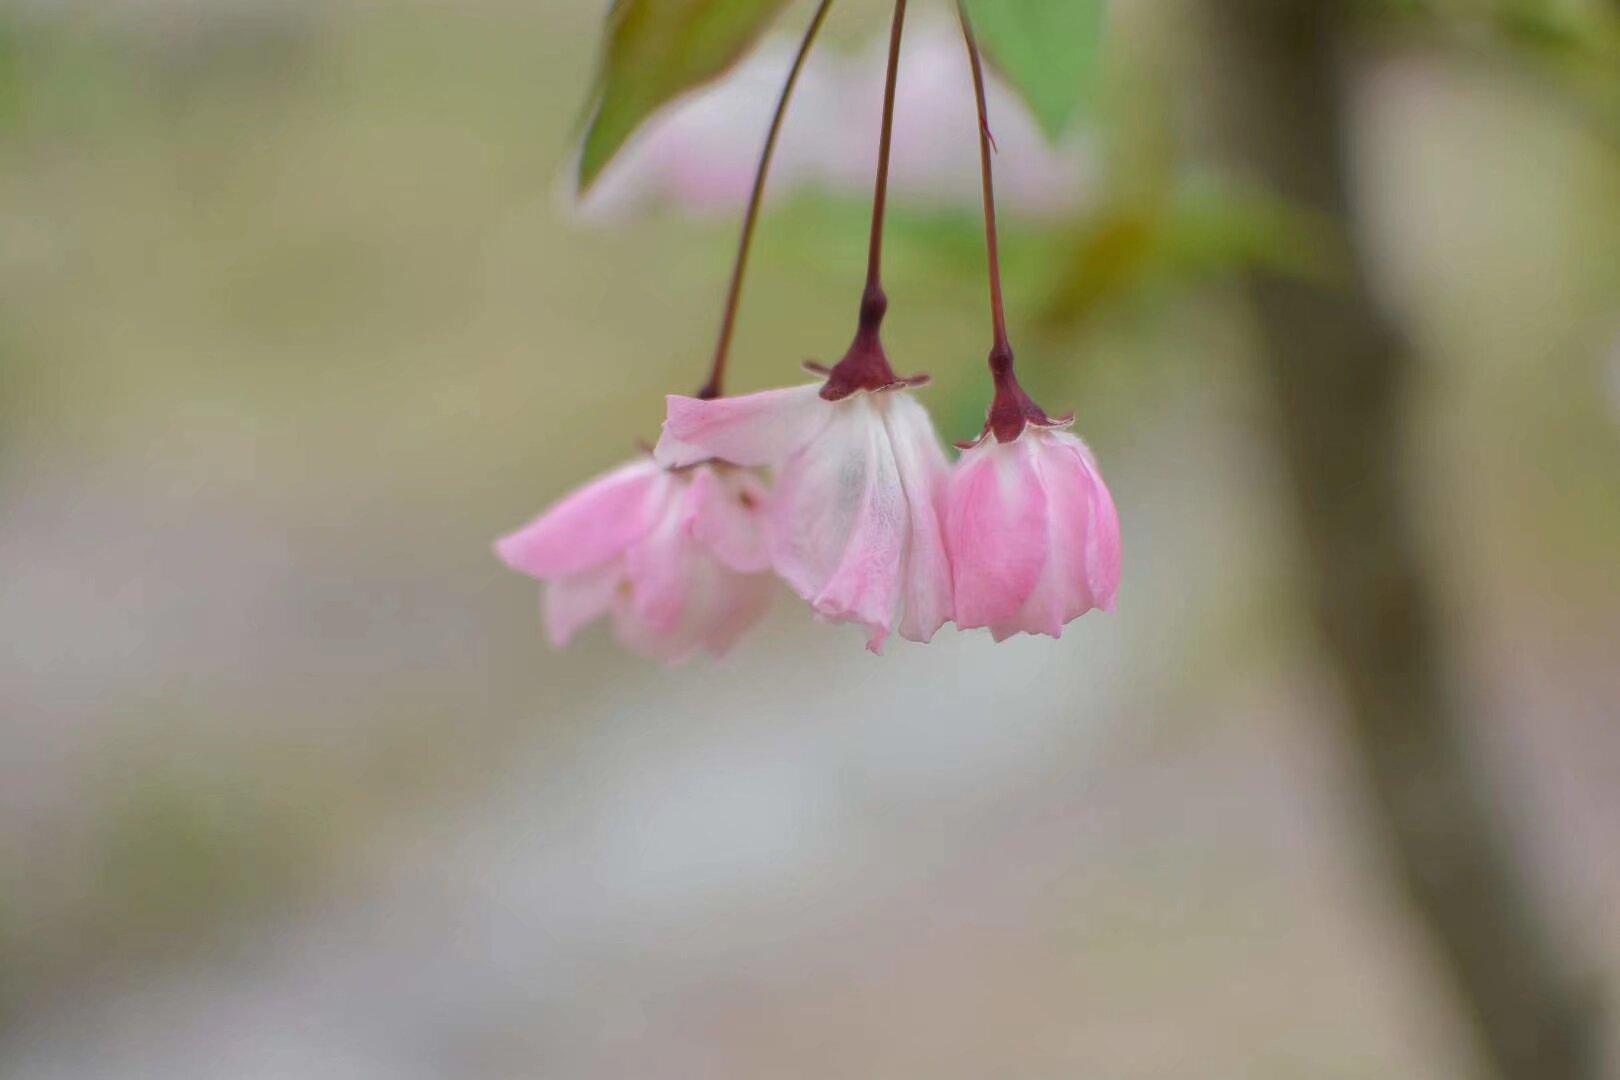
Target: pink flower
x,y
855,514
1033,534
936,133
699,154
677,558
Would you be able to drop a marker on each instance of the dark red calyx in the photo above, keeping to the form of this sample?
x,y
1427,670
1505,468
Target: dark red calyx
x,y
1012,409
865,366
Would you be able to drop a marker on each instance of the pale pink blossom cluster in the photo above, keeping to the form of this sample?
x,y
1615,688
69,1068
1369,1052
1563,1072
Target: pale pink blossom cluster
x,y
840,488
864,518
699,155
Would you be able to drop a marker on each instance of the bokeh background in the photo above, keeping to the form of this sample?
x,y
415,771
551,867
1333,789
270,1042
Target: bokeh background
x,y
295,317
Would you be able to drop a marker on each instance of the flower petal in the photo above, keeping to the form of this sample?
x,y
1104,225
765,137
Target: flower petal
x,y
741,601
755,429
717,607
591,526
839,522
726,512
1082,572
1103,547
573,602
661,569
817,494
864,587
668,646
923,476
1063,593
998,529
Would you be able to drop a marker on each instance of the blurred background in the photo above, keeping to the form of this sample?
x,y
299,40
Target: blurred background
x,y
296,316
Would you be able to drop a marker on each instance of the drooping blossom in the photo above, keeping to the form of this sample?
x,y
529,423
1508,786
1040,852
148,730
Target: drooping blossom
x,y
699,155
855,514
676,557
1032,529
936,159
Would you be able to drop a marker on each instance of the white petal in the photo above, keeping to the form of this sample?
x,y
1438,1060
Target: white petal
x,y
755,429
726,512
839,520
923,475
572,602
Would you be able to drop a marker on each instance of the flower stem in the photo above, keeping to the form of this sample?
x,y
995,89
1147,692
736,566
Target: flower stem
x,y
1011,410
728,323
874,304
1001,354
864,366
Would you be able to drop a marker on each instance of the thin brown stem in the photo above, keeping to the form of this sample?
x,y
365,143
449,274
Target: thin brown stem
x,y
1011,410
1001,351
873,304
864,366
728,323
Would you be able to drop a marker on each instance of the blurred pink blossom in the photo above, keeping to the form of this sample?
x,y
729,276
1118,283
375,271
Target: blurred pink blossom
x,y
699,155
676,557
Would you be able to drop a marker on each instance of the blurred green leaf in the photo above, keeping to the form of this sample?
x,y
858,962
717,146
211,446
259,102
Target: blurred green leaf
x,y
1212,228
1200,231
10,78
1047,50
657,49
1107,258
177,849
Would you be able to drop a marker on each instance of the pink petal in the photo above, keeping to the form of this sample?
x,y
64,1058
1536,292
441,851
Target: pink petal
x,y
725,511
1061,593
839,520
1084,520
741,601
997,525
591,526
661,570
865,586
718,607
817,494
573,602
1103,547
681,597
755,429
923,476
1084,534
671,646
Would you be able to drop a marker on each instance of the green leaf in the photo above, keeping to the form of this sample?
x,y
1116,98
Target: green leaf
x,y
1204,230
657,49
1047,50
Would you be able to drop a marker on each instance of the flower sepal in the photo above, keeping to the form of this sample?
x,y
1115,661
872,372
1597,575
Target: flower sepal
x,y
1012,410
840,385
865,366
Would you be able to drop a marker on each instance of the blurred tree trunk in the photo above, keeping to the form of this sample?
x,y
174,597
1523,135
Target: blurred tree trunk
x,y
1338,373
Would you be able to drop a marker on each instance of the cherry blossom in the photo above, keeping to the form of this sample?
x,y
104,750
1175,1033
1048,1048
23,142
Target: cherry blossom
x,y
676,557
855,519
1033,534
